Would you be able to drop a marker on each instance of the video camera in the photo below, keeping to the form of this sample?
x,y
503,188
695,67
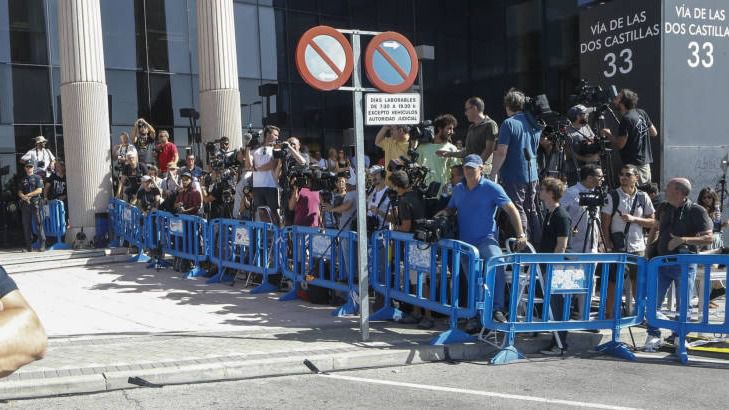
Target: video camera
x,y
252,138
593,95
416,174
433,230
423,132
593,199
315,179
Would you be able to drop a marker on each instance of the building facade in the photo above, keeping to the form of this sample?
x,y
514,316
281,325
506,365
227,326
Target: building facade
x,y
151,64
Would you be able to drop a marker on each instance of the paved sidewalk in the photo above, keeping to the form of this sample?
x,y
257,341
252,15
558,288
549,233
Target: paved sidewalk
x,y
109,323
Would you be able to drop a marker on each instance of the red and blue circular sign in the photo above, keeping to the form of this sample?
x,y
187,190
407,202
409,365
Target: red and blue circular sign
x,y
324,58
391,62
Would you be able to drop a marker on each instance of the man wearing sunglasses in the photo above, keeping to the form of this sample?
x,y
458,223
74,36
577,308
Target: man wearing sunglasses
x,y
627,212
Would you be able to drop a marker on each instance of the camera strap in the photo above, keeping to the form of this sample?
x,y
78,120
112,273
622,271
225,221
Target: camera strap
x,y
614,194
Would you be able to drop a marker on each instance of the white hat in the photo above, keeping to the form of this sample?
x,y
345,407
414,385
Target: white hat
x,y
146,178
40,139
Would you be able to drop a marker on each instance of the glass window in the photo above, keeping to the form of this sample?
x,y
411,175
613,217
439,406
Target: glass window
x,y
396,15
7,138
28,32
303,5
181,96
246,39
267,21
31,95
160,99
122,87
296,25
178,35
6,94
192,34
120,44
335,8
156,24
4,33
251,103
52,19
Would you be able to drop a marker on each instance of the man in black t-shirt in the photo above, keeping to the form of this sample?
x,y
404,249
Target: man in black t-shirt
x,y
23,339
131,179
30,191
410,207
55,187
682,227
148,198
634,135
555,239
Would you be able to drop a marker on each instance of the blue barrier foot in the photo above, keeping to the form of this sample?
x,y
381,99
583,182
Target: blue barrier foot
x,y
264,287
59,246
507,355
387,313
451,336
140,258
616,349
194,272
290,295
349,308
221,277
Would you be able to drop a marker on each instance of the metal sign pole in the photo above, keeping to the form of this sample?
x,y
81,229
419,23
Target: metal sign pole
x,y
364,299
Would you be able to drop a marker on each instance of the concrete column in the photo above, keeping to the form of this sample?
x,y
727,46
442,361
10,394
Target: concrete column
x,y
85,112
218,62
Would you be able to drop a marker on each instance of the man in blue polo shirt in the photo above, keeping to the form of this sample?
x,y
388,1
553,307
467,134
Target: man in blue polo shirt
x,y
475,201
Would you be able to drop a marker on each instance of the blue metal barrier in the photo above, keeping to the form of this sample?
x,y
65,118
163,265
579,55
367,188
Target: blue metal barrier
x,y
132,228
665,269
246,246
398,258
184,237
325,258
53,216
564,275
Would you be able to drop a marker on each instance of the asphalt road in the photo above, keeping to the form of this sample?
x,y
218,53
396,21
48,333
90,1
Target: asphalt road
x,y
538,384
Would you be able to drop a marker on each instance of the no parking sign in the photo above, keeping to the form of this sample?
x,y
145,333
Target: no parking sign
x,y
324,58
391,62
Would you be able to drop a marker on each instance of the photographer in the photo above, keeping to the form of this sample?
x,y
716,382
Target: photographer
x,y
378,202
515,161
120,151
166,152
130,180
682,227
148,197
555,238
304,203
292,157
409,209
169,187
591,179
475,202
188,198
395,142
265,174
143,138
439,164
218,193
584,147
40,157
344,205
624,232
225,153
481,135
634,135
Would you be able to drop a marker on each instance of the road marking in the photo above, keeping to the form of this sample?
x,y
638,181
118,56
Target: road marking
x,y
478,393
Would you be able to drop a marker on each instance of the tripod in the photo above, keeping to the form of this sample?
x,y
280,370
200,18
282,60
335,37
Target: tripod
x,y
607,162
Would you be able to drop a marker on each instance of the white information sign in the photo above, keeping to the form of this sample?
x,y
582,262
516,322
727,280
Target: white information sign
x,y
568,277
176,227
242,237
392,109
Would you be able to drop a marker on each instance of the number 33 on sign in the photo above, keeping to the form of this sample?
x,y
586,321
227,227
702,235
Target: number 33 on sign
x,y
701,55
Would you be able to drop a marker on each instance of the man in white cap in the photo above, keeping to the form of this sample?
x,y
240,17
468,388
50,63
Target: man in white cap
x,y
40,157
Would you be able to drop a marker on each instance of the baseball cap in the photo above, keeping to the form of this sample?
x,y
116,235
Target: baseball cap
x,y
29,165
375,169
576,110
472,161
187,174
146,178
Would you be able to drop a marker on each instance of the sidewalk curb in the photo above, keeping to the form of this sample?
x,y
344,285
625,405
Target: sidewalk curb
x,y
326,360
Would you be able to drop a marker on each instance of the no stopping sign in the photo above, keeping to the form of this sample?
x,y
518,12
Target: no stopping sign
x,y
324,58
391,63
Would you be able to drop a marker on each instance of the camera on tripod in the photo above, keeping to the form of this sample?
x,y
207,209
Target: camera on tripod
x,y
433,230
593,199
593,95
315,179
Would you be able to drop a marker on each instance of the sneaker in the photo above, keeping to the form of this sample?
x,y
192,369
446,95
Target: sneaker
x,y
652,343
499,316
426,323
410,319
715,293
554,350
661,316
